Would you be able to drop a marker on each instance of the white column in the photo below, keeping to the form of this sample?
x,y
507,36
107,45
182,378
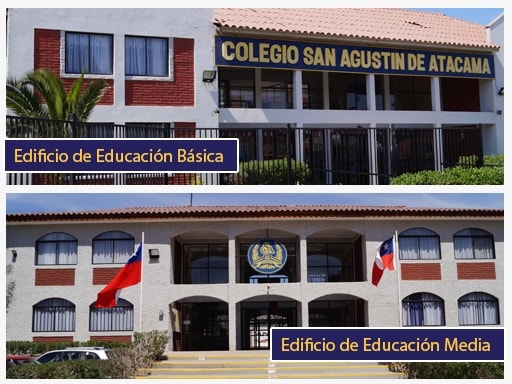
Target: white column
x,y
435,90
297,90
232,315
303,268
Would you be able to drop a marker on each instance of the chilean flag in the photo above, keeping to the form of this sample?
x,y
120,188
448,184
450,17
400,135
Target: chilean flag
x,y
385,258
129,275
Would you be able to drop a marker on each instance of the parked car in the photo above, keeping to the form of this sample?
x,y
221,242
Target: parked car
x,y
74,353
13,360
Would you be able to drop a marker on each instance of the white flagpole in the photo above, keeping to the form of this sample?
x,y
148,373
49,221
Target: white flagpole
x,y
141,280
396,253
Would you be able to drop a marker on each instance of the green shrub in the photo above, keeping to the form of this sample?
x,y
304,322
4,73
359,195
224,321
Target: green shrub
x,y
75,369
271,172
492,173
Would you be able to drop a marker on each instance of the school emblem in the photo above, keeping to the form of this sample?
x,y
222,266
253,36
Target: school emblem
x,y
267,256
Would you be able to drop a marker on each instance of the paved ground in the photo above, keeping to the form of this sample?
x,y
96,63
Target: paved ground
x,y
257,365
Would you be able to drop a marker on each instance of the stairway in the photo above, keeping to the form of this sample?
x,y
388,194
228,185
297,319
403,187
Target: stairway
x,y
238,365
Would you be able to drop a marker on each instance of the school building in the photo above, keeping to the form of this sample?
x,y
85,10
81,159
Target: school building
x,y
356,96
220,277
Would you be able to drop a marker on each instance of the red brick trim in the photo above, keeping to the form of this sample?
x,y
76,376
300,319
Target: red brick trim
x,y
421,271
118,338
55,276
476,271
102,276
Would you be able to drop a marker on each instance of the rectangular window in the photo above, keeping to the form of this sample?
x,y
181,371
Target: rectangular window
x,y
236,88
330,262
146,56
205,264
347,91
92,52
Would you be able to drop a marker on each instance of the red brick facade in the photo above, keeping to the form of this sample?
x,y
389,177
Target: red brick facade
x,y
476,271
47,55
428,271
112,338
103,276
179,92
52,277
52,339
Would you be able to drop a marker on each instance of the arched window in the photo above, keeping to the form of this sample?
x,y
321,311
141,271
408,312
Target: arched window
x,y
419,244
473,243
53,315
422,309
114,247
56,248
478,308
118,318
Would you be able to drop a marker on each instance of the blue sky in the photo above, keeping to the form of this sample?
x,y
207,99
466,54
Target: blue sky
x,y
476,15
58,202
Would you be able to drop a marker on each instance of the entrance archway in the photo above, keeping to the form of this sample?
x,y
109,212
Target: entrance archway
x,y
258,317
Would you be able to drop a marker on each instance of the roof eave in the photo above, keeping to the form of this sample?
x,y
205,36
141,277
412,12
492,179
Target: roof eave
x,y
350,40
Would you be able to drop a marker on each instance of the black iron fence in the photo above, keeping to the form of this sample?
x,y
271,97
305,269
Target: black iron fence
x,y
274,156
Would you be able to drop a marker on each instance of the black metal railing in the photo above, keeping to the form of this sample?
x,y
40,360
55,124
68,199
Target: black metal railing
x,y
275,156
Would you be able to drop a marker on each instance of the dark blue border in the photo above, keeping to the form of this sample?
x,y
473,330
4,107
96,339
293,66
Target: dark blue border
x,y
405,344
254,59
207,155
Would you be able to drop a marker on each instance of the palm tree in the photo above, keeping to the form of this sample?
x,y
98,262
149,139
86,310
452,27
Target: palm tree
x,y
41,94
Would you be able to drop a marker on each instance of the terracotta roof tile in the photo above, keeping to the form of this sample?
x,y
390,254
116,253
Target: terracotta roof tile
x,y
389,24
252,212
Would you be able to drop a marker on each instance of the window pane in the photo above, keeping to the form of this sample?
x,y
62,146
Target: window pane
x,y
135,57
146,56
91,52
101,54
157,57
77,52
463,247
478,308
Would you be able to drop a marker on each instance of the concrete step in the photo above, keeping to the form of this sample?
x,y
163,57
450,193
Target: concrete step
x,y
257,365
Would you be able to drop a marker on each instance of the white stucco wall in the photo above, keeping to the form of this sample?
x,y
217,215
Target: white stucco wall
x,y
190,23
496,34
158,292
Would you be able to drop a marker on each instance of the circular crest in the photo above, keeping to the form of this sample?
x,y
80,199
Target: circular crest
x,y
267,256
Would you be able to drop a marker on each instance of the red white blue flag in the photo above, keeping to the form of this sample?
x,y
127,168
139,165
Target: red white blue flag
x,y
384,259
129,275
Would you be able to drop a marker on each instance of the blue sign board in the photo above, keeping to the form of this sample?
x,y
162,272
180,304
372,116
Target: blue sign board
x,y
244,52
121,155
388,344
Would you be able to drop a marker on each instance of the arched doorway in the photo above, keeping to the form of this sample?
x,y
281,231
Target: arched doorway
x,y
258,317
203,325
